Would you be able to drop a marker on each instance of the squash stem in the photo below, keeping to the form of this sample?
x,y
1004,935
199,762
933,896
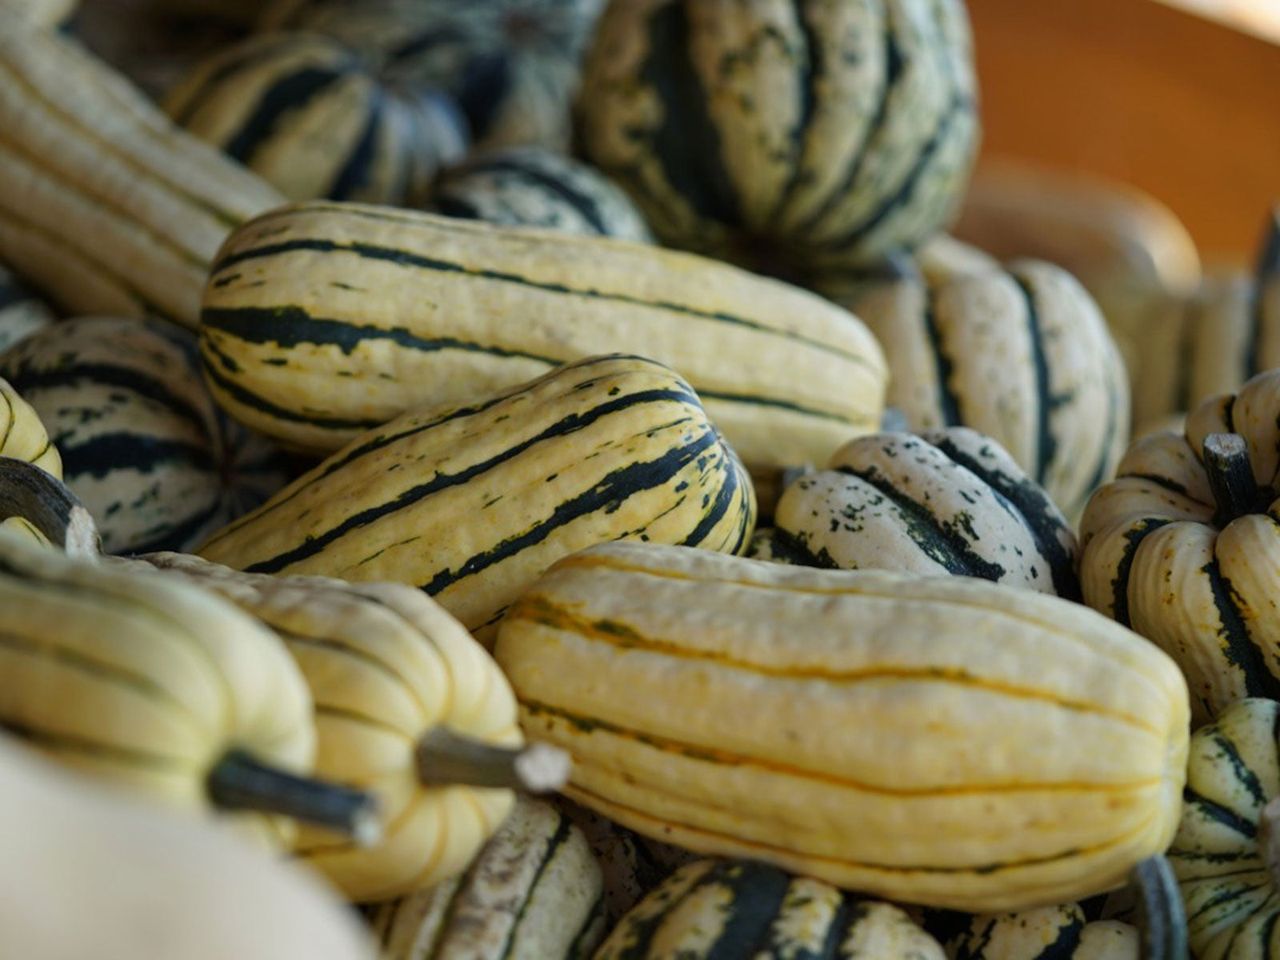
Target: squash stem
x,y
1226,460
1162,919
445,757
47,504
240,782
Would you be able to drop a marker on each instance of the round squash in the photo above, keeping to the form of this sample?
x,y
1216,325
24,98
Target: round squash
x,y
1020,354
533,893
142,443
22,313
784,135
1184,546
936,740
537,187
722,908
512,65
947,502
1225,853
310,118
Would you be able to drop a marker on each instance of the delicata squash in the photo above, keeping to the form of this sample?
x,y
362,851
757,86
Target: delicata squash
x,y
942,741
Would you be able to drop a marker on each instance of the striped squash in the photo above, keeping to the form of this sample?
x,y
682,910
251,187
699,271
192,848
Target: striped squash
x,y
386,667
1225,853
1061,932
947,502
104,204
1022,355
142,443
473,503
145,682
719,908
942,741
324,319
631,865
533,893
22,313
511,64
1184,546
784,134
537,187
307,115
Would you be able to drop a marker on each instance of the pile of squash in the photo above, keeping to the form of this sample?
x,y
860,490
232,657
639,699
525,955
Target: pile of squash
x,y
415,407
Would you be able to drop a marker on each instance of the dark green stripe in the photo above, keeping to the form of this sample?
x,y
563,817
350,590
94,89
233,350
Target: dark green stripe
x,y
355,172
1225,896
292,93
1047,443
289,326
1033,507
937,540
1266,935
1244,826
790,548
810,69
103,454
583,204
410,260
1239,769
756,895
604,491
726,496
244,56
1120,582
564,830
179,534
1238,647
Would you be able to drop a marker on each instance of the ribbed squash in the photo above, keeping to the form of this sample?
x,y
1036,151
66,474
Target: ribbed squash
x,y
104,204
1225,852
1020,354
946,502
386,667
149,683
711,909
1062,932
511,64
782,134
471,504
1184,546
307,114
22,313
142,443
698,695
1214,340
323,320
537,187
533,893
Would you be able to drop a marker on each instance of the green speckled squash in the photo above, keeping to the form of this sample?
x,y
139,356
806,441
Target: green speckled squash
x,y
947,502
784,134
1225,853
537,187
722,908
533,893
1020,354
22,313
308,116
512,65
143,445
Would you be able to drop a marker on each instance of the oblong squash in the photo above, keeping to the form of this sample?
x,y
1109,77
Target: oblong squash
x,y
944,741
472,503
323,320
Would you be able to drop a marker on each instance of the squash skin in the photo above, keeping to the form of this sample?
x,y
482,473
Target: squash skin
x,y
342,135
472,504
1062,932
322,320
534,893
143,445
1157,559
606,650
23,437
784,135
22,313
130,676
536,187
385,665
715,908
945,502
1021,354
124,211
1232,773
